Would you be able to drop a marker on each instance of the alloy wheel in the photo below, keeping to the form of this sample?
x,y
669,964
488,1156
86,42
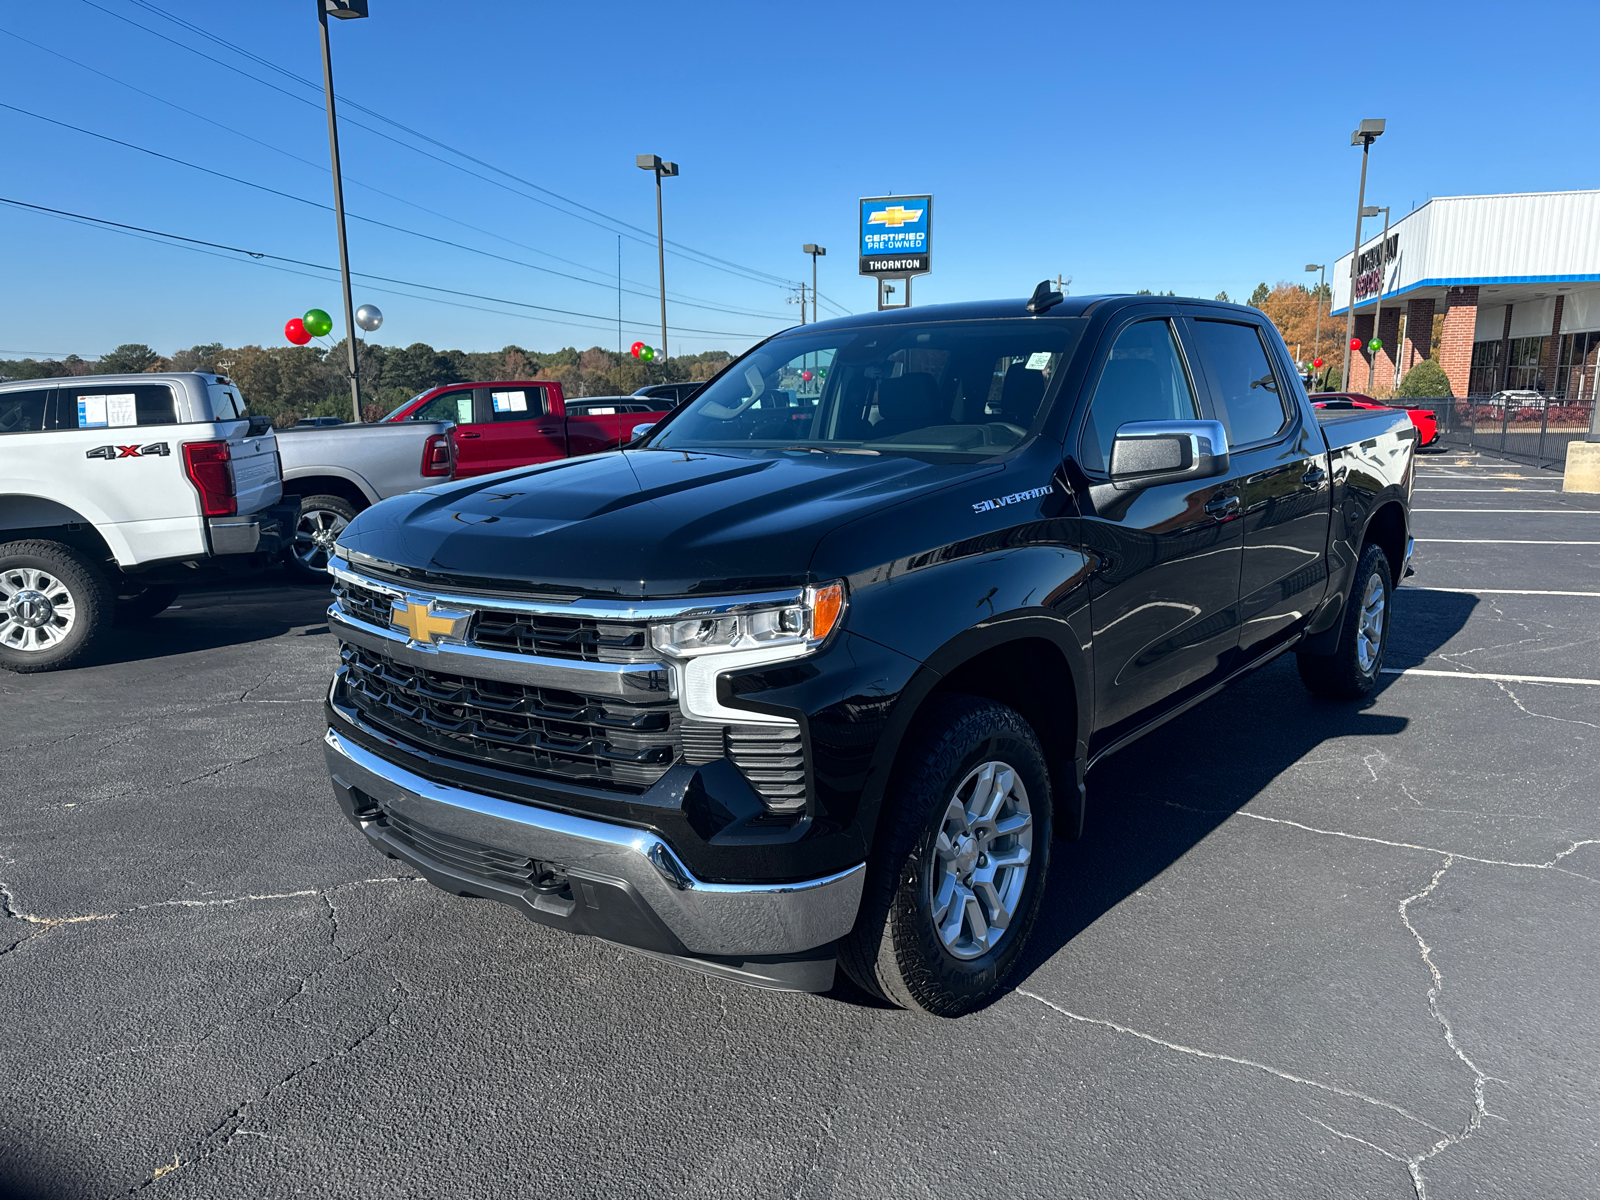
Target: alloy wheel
x,y
980,860
36,610
314,537
1369,626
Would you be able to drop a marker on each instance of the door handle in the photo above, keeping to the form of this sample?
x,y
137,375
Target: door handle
x,y
1222,507
1314,477
462,433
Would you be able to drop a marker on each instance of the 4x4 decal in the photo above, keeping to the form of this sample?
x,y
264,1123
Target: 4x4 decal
x,y
160,449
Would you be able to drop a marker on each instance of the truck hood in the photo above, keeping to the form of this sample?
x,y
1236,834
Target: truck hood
x,y
643,523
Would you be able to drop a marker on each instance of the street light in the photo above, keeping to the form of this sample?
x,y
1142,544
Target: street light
x,y
1322,283
815,251
651,162
1365,134
1373,210
345,10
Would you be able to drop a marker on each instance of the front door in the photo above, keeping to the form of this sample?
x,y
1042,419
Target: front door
x,y
1164,599
1278,471
511,427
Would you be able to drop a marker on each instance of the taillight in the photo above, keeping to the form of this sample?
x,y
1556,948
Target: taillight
x,y
437,456
206,464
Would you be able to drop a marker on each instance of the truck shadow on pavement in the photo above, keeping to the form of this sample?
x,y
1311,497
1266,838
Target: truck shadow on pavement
x,y
213,617
1151,804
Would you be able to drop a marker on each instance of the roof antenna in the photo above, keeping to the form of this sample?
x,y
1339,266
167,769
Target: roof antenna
x,y
1044,298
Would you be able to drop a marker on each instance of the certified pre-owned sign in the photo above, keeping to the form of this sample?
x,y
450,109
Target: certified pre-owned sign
x,y
895,237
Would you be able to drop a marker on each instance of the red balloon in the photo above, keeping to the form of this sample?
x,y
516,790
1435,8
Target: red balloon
x,y
295,330
1318,363
806,375
1355,343
636,348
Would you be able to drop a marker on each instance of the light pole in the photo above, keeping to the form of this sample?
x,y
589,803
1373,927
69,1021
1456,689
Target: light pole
x,y
652,162
1383,272
815,251
1366,133
1322,283
345,10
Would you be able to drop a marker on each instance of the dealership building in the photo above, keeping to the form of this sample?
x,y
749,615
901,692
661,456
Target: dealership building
x,y
1517,278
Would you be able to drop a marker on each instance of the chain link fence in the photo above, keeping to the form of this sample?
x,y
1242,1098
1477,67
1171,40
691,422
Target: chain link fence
x,y
1525,426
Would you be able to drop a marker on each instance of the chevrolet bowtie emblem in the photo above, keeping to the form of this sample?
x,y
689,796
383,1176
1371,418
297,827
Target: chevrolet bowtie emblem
x,y
423,623
895,216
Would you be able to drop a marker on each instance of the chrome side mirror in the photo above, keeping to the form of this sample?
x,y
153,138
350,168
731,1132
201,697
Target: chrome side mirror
x,y
1147,453
640,430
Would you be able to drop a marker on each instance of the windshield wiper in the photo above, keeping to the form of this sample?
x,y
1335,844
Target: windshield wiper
x,y
830,449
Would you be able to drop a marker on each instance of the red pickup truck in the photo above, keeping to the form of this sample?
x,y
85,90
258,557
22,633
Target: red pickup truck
x,y
512,423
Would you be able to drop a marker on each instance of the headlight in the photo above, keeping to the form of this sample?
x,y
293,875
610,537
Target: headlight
x,y
801,626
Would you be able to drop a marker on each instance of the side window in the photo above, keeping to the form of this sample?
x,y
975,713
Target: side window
x,y
1246,391
1143,380
499,405
447,406
23,412
115,406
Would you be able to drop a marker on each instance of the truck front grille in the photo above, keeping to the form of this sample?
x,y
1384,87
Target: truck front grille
x,y
601,741
583,639
470,858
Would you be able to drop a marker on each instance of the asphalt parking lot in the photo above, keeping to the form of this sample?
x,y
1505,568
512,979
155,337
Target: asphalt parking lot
x,y
1304,949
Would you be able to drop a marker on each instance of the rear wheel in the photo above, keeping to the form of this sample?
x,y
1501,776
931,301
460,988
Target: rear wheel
x,y
54,605
322,520
1352,670
136,603
955,883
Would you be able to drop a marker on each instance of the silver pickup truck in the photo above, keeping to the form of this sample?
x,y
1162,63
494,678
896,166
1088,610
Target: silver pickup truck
x,y
338,470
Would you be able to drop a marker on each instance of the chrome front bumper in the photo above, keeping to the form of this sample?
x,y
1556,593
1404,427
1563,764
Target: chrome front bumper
x,y
626,884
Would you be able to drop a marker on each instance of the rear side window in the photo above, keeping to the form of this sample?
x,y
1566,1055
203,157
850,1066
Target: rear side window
x,y
225,403
23,412
1245,389
1143,380
115,406
447,406
498,405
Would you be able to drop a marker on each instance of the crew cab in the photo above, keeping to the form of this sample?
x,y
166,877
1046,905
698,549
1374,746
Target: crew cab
x,y
117,490
812,674
513,423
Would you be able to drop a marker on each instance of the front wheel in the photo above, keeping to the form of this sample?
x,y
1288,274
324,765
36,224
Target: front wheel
x,y
956,880
54,605
1352,670
322,520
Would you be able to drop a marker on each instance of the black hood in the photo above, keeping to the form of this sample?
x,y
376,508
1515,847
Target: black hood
x,y
640,523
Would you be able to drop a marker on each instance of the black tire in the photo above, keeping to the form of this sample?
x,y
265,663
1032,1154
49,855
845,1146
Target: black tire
x,y
135,604
48,637
896,950
1351,671
306,556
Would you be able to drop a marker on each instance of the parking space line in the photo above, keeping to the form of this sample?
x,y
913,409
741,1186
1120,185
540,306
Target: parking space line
x,y
1489,491
1502,542
1487,675
1493,591
1586,511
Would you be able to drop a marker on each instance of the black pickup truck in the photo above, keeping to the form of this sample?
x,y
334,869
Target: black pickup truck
x,y
812,674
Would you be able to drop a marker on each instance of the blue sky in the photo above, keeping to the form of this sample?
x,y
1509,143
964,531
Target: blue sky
x,y
1193,147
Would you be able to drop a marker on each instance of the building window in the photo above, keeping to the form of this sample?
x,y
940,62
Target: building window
x,y
1485,368
1524,367
1576,374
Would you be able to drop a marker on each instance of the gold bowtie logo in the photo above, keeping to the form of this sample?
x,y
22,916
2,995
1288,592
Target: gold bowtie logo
x,y
423,623
895,216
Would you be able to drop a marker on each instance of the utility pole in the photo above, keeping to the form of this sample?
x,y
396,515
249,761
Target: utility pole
x,y
619,293
651,162
1322,285
816,252
1366,133
1383,274
345,10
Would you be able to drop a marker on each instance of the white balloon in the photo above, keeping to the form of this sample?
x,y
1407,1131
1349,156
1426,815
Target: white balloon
x,y
369,317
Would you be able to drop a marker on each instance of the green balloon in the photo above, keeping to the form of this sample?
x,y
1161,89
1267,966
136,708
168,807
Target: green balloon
x,y
317,322
1374,344
648,354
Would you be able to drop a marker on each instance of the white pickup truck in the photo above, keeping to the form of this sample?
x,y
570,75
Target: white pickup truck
x,y
116,490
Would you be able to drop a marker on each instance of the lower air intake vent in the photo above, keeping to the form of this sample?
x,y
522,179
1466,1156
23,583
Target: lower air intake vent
x,y
772,758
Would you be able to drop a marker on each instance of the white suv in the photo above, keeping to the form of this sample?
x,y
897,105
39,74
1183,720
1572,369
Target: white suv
x,y
114,491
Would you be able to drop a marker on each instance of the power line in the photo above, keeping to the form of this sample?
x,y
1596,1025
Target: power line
x,y
137,230
353,216
635,233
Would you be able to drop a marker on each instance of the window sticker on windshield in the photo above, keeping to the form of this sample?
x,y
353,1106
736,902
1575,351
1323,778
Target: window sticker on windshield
x,y
509,401
91,412
1039,360
121,410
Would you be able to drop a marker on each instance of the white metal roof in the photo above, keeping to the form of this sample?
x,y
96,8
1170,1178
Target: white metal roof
x,y
1521,245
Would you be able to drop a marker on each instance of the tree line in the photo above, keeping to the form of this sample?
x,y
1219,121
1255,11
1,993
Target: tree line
x,y
291,382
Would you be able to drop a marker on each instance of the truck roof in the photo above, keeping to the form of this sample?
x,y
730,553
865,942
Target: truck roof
x,y
1017,309
201,378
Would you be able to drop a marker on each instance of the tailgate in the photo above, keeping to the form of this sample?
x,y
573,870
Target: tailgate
x,y
254,459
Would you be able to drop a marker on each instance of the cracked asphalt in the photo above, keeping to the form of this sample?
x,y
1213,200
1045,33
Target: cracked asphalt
x,y
1304,949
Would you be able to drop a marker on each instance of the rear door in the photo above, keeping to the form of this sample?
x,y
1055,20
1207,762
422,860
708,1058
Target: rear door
x,y
1164,598
512,426
1278,472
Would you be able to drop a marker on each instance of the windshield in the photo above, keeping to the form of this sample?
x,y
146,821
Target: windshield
x,y
393,412
973,388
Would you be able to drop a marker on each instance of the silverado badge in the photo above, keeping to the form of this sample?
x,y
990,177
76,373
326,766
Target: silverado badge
x,y
426,624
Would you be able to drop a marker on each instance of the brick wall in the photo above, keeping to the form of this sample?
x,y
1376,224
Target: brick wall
x,y
1361,357
1389,335
1552,347
1455,342
1419,334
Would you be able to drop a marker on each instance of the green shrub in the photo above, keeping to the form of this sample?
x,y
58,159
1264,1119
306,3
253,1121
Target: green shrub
x,y
1425,379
